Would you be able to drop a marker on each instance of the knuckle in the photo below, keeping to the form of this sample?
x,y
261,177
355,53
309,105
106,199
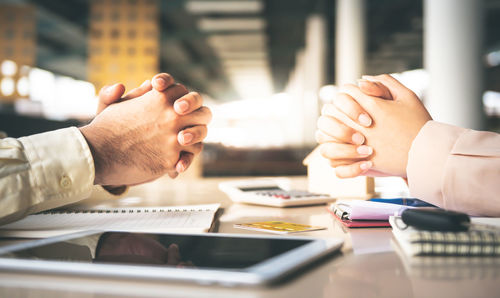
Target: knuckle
x,y
321,137
162,95
181,88
344,171
173,117
384,77
318,136
339,173
196,96
325,150
369,104
319,122
328,109
345,134
346,103
203,131
207,112
103,89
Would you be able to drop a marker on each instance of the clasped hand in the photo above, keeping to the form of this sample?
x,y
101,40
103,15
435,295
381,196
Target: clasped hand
x,y
155,129
369,128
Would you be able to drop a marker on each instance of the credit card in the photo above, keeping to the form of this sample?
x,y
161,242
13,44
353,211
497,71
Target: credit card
x,y
279,227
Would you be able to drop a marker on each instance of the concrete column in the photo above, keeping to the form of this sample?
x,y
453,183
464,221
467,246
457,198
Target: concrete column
x,y
295,126
349,41
452,55
315,68
350,49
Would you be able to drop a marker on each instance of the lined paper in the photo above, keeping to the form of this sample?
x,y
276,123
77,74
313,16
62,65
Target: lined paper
x,y
192,218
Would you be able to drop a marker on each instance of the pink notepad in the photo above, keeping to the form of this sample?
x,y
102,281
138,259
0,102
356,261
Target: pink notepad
x,y
361,213
360,223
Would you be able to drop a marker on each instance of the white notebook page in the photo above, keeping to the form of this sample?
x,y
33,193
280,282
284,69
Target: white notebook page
x,y
194,218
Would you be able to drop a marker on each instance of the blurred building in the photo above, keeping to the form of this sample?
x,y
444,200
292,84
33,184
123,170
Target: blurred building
x,y
124,42
17,49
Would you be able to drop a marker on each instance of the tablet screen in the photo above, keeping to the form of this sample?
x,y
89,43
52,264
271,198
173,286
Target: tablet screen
x,y
176,251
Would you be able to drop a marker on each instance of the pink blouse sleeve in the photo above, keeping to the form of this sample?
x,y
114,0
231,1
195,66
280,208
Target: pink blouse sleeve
x,y
456,168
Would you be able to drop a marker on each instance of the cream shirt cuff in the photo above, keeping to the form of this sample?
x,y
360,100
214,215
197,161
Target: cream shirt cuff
x,y
427,161
61,168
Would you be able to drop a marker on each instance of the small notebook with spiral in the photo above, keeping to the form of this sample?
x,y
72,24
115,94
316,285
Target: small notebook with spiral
x,y
474,242
187,219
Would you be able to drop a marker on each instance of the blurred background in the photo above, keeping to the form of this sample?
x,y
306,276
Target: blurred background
x,y
264,67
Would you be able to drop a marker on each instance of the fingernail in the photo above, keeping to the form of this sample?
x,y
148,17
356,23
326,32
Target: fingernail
x,y
365,120
362,81
182,105
187,137
366,165
180,167
358,138
109,88
364,150
173,174
161,82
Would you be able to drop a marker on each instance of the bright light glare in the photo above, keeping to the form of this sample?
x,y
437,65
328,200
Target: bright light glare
x,y
203,7
73,98
7,86
491,102
252,123
416,80
9,68
42,85
327,93
231,24
62,97
23,87
493,59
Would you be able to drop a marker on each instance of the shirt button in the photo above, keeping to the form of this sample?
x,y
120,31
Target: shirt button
x,y
65,182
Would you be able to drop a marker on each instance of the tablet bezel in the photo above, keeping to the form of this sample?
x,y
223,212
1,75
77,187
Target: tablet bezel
x,y
263,273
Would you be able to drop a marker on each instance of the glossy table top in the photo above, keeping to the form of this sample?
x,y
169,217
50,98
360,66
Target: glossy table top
x,y
369,264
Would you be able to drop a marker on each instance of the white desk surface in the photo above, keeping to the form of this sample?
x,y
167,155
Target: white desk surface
x,y
368,265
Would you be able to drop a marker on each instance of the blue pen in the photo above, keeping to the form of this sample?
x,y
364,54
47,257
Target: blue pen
x,y
403,201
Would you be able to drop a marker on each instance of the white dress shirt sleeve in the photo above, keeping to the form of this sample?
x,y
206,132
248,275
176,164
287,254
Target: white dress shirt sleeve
x,y
43,171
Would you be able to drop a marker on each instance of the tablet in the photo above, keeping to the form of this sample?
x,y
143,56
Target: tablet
x,y
224,259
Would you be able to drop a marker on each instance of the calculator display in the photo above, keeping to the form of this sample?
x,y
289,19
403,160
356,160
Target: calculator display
x,y
259,188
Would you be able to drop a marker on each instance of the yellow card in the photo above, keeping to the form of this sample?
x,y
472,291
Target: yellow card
x,y
279,227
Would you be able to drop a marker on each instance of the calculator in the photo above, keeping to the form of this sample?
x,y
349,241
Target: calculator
x,y
271,192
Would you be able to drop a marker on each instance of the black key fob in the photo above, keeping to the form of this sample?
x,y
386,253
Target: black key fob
x,y
436,219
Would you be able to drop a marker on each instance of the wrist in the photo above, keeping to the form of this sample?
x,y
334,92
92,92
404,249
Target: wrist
x,y
94,141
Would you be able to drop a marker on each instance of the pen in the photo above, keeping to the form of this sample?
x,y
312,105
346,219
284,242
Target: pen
x,y
403,201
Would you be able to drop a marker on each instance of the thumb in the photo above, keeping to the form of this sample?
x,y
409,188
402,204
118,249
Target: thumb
x,y
394,86
109,95
375,89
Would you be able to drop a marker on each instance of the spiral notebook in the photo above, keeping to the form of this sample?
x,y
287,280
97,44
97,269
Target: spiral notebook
x,y
188,219
474,242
